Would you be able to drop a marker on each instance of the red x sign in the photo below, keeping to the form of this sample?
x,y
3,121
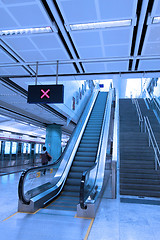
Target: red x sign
x,y
45,93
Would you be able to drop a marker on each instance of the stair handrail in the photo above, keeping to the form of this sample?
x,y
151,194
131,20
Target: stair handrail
x,y
152,140
94,191
157,105
140,116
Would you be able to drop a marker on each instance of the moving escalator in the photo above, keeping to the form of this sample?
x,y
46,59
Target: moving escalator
x,y
80,156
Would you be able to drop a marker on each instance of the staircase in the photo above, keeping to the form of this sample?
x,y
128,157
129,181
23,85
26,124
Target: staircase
x,y
137,174
84,158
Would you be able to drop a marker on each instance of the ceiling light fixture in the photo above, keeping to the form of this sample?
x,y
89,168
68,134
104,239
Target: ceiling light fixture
x,y
156,20
26,31
100,25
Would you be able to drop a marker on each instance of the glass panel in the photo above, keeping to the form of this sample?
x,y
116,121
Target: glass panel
x,y
7,147
37,148
24,147
29,147
89,183
14,147
37,181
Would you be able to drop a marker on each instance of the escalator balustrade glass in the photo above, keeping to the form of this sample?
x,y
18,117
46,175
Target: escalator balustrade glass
x,y
35,181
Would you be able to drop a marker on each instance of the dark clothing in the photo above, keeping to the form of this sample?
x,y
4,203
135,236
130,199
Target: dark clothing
x,y
44,160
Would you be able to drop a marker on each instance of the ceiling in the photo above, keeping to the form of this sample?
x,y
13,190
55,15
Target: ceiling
x,y
83,54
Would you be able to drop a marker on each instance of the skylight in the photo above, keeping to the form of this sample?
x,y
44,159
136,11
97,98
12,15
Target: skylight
x,y
26,31
100,25
156,20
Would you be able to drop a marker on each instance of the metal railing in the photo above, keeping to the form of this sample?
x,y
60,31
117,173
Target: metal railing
x,y
140,117
115,154
156,104
152,140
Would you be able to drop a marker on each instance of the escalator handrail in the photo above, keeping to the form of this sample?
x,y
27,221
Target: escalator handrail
x,y
82,198
25,172
23,176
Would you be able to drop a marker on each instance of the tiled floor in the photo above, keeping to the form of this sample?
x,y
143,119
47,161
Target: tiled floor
x,y
114,220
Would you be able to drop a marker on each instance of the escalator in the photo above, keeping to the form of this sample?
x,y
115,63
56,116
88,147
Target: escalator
x,y
85,157
82,154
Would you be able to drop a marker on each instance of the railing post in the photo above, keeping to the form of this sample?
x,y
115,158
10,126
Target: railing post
x,y
149,140
144,124
155,150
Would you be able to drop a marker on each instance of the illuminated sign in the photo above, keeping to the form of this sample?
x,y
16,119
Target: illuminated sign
x,y
45,94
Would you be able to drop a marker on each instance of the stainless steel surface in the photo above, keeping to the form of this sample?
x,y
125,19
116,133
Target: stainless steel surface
x,y
115,154
152,140
140,117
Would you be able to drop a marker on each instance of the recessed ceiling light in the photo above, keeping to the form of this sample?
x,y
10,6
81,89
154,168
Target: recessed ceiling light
x,y
100,25
26,31
156,20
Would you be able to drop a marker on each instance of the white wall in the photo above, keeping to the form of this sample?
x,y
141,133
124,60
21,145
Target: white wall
x,y
70,89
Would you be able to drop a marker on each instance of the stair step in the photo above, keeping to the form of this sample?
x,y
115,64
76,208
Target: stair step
x,y
143,193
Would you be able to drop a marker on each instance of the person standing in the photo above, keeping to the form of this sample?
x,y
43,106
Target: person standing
x,y
45,156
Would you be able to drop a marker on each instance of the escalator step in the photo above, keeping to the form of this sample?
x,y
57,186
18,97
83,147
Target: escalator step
x,y
75,175
87,149
84,158
73,182
86,154
83,164
90,145
70,188
79,169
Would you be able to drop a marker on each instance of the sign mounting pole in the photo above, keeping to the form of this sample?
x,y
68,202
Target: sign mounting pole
x,y
57,73
36,73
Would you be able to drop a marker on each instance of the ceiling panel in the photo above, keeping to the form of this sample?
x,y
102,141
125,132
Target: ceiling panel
x,y
45,69
5,58
157,10
152,49
153,33
113,9
90,52
124,36
117,66
55,54
46,41
152,41
66,68
19,42
145,65
117,50
23,82
16,1
94,67
15,71
28,15
6,21
31,55
79,11
86,38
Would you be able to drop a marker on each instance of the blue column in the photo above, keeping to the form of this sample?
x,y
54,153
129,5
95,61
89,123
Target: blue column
x,y
53,140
